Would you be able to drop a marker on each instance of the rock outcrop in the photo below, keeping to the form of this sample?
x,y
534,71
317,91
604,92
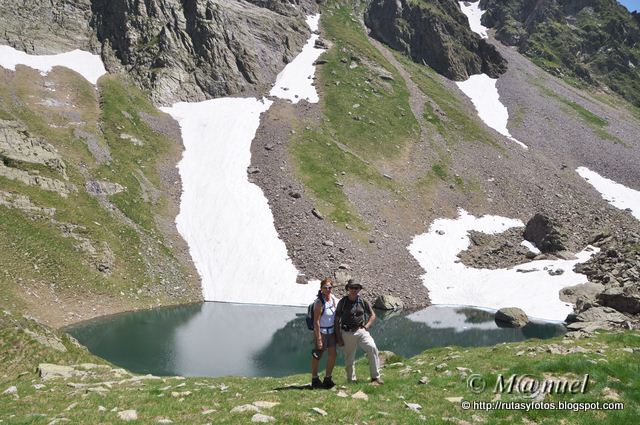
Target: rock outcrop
x,y
178,50
194,49
54,26
436,33
546,233
612,297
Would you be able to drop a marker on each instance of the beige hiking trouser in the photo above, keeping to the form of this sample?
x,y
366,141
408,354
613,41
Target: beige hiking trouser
x,y
362,338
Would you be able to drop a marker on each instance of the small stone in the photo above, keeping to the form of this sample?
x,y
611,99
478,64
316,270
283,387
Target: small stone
x,y
265,404
423,381
260,418
128,415
245,408
164,421
11,390
208,411
440,232
360,396
295,195
454,399
342,394
102,409
319,411
253,170
413,406
317,214
328,243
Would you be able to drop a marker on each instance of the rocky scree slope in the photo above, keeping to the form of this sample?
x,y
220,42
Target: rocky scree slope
x,y
592,42
435,33
177,50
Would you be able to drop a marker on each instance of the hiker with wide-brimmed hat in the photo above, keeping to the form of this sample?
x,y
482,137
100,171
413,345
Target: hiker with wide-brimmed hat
x,y
352,329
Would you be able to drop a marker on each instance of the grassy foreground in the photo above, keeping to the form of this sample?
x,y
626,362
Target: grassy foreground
x,y
99,392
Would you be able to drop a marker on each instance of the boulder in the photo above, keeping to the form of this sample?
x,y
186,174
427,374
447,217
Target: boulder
x,y
602,314
571,294
388,302
546,233
48,371
624,299
511,317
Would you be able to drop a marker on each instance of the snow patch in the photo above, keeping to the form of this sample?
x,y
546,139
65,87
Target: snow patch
x,y
451,282
295,81
482,91
88,65
618,195
226,219
474,15
530,246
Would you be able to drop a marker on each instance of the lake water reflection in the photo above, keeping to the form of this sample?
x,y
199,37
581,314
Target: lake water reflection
x,y
220,339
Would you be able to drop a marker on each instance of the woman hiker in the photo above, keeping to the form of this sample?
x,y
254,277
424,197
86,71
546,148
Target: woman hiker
x,y
352,330
324,335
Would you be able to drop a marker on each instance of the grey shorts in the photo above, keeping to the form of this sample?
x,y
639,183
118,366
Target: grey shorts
x,y
328,340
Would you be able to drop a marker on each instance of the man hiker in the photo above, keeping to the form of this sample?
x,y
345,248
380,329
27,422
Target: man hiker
x,y
352,329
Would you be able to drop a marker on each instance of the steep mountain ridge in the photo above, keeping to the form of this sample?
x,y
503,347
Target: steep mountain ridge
x,y
593,42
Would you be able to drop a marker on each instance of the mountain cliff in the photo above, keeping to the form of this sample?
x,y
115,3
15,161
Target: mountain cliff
x,y
177,50
435,33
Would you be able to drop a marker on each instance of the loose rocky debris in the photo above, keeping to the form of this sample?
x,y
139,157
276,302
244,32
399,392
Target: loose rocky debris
x,y
611,298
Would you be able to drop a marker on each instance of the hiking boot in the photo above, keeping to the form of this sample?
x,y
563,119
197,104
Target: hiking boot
x,y
328,383
376,381
316,383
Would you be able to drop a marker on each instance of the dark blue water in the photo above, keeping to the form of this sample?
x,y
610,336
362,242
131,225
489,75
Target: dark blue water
x,y
220,339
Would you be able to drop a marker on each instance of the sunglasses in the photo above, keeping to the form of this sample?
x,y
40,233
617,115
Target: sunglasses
x,y
327,287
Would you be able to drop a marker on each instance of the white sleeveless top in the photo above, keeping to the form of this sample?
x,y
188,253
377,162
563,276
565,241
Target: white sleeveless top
x,y
328,316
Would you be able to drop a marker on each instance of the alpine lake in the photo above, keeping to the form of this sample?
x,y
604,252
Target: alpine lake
x,y
221,339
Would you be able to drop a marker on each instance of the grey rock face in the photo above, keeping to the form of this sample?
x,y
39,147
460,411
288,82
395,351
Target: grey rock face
x,y
196,49
54,26
17,144
388,302
435,32
625,299
186,50
511,316
545,233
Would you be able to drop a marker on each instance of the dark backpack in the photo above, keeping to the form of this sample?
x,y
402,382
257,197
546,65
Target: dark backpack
x,y
310,319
